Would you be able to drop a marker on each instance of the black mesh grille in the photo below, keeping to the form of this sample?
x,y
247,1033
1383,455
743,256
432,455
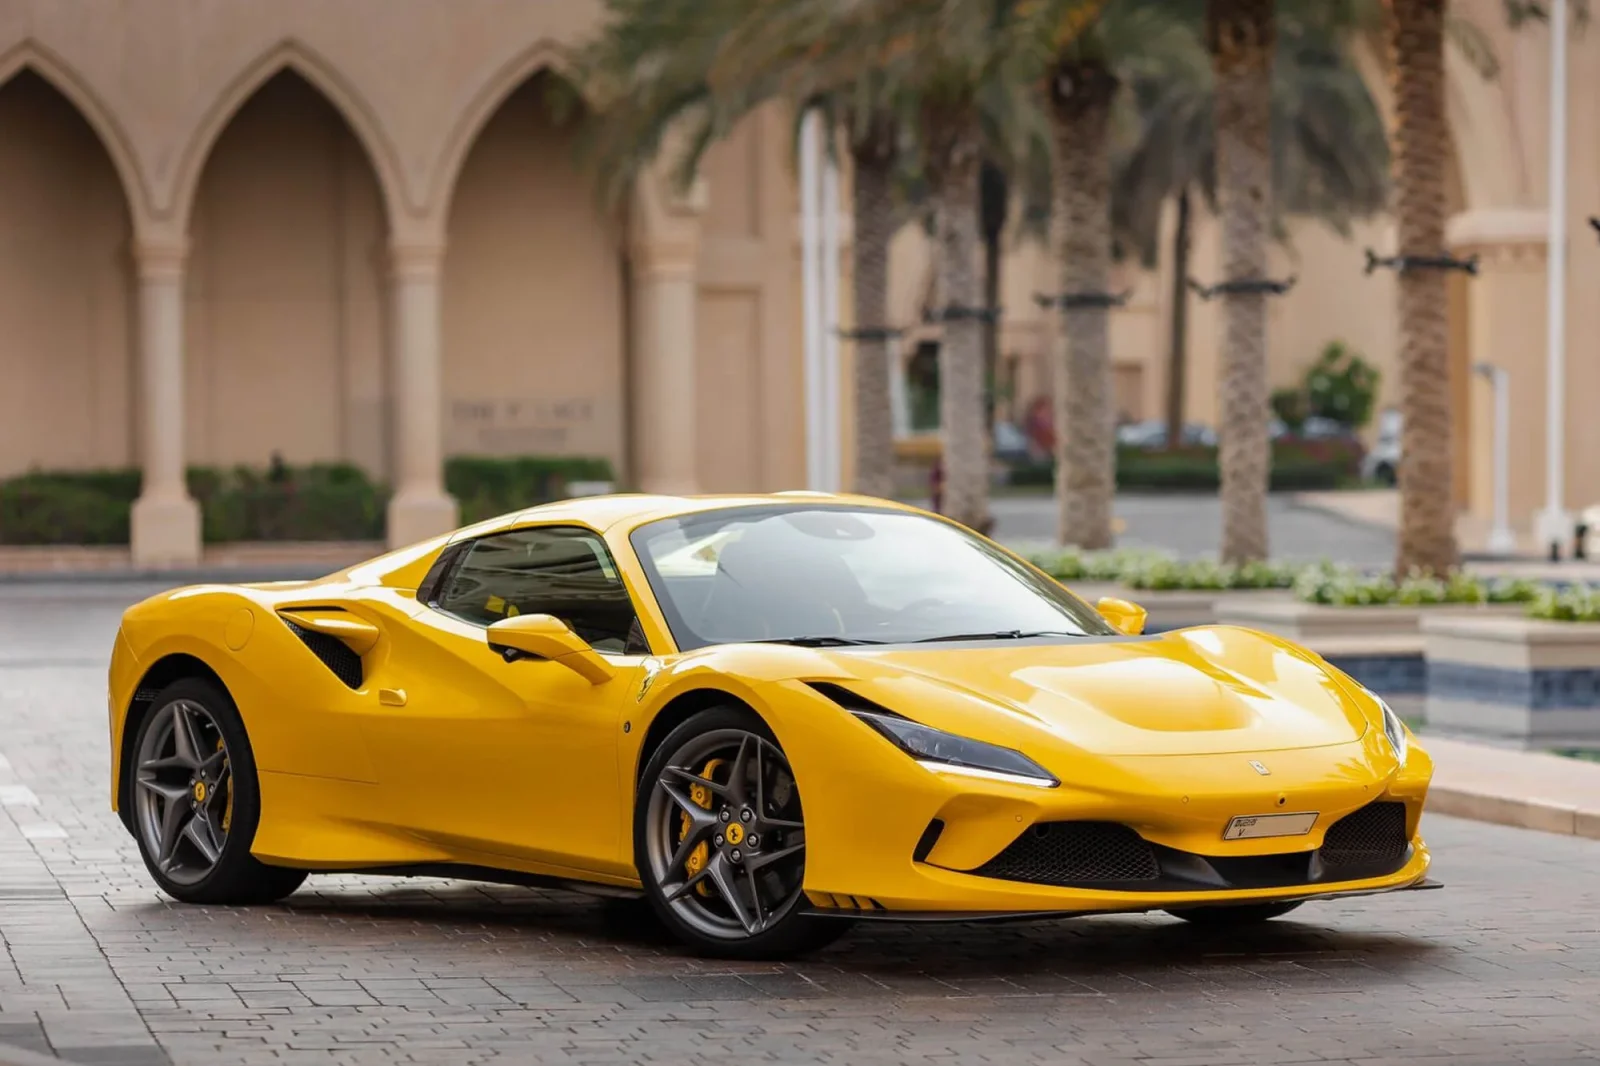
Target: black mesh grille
x,y
335,654
1374,835
1074,853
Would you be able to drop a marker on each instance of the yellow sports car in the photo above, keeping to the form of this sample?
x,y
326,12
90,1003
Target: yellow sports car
x,y
766,715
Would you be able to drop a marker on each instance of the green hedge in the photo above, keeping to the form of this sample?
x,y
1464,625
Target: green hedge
x,y
486,487
1297,466
324,501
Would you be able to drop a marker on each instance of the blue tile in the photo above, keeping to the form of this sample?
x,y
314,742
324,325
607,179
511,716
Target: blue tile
x,y
1576,688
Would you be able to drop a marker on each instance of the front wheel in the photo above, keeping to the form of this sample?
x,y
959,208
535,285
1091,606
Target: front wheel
x,y
720,840
1233,917
196,802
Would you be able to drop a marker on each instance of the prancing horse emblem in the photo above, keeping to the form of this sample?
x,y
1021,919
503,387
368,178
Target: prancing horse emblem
x,y
651,668
1259,768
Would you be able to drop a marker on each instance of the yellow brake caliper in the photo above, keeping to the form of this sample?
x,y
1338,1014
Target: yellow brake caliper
x,y
701,795
227,808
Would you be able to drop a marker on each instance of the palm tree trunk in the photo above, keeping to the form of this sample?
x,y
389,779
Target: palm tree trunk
x,y
992,205
966,452
873,207
1086,433
1178,340
1421,148
1240,35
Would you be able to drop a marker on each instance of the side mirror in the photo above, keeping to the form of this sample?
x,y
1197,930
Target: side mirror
x,y
543,636
1128,617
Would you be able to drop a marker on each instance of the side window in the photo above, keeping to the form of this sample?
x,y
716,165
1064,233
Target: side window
x,y
559,571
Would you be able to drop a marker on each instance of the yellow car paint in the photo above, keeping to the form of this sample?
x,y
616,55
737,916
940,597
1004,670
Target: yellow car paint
x,y
532,766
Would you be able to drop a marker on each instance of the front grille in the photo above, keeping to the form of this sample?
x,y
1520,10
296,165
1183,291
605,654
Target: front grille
x,y
335,654
1075,853
1375,835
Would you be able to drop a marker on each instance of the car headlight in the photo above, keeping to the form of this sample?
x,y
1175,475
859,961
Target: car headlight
x,y
1395,730
946,752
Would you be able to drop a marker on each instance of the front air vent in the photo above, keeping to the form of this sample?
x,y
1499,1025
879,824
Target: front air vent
x,y
1075,853
1375,835
335,654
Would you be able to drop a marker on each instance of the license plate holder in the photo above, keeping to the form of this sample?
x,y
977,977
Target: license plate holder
x,y
1259,826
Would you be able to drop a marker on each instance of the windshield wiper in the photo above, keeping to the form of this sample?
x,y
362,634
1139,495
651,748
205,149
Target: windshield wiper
x,y
1002,634
816,642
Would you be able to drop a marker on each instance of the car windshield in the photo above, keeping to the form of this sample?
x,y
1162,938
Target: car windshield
x,y
831,575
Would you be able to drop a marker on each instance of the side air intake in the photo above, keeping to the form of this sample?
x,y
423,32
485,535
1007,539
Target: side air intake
x,y
335,654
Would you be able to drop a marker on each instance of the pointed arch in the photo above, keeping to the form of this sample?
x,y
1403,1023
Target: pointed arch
x,y
542,55
31,55
297,57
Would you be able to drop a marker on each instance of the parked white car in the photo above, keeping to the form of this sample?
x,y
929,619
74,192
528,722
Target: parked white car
x,y
1382,461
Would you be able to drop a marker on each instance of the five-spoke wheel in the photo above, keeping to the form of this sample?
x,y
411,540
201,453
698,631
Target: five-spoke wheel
x,y
720,839
195,802
183,791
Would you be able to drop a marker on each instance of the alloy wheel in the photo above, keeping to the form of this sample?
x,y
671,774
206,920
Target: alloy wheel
x,y
725,834
183,791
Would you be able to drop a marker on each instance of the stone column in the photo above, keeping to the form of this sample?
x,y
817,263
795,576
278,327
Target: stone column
x,y
165,521
1507,328
420,508
663,258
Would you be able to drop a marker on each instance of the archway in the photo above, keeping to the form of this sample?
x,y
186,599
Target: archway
x,y
533,312
285,324
65,288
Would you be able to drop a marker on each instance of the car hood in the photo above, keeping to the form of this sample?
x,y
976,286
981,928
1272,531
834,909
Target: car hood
x,y
1207,690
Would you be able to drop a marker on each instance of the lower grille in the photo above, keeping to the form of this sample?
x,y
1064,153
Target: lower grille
x,y
1075,853
335,654
1375,835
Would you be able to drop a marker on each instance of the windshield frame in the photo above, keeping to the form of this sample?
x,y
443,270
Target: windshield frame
x,y
686,639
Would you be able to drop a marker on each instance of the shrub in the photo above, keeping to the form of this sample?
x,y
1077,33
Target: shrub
x,y
1297,466
321,501
486,487
35,510
1576,603
1341,385
1344,587
1158,571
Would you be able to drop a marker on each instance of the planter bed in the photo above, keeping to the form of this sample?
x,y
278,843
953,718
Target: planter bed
x,y
1314,623
1514,678
1173,608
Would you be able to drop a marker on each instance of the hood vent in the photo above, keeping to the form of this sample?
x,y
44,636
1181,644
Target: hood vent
x,y
850,701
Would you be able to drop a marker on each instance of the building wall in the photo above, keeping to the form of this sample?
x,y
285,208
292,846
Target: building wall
x,y
296,151
534,318
66,353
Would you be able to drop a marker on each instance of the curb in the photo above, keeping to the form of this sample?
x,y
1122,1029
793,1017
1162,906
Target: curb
x,y
1535,814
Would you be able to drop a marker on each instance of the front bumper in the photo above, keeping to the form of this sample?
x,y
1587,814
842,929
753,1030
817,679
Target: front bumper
x,y
885,866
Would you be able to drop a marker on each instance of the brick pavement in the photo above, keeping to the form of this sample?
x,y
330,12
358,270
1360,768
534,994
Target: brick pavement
x,y
1501,967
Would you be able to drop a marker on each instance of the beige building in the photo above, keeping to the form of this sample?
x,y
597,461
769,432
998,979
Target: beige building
x,y
353,231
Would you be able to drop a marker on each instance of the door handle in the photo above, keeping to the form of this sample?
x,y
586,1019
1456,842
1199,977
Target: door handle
x,y
392,697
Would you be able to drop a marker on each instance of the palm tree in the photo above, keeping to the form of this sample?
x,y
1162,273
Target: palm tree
x,y
1240,35
1421,154
1417,30
694,69
1330,152
951,74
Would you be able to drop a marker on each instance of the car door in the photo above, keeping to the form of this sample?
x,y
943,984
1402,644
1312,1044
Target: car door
x,y
488,757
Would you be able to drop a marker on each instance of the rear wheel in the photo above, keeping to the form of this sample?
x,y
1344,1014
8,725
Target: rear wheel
x,y
1235,916
719,839
196,803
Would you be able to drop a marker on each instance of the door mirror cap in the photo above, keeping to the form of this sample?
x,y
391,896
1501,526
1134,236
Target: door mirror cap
x,y
544,636
1126,617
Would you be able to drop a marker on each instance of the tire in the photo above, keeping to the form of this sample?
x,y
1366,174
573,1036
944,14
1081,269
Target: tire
x,y
202,856
1233,917
770,919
